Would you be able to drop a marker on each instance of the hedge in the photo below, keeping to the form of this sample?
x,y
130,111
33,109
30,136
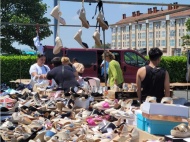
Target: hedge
x,y
176,67
11,66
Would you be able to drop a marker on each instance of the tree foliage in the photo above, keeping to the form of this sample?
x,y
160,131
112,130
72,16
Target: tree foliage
x,y
107,46
25,12
186,38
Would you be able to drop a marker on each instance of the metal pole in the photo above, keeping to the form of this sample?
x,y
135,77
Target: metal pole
x,y
55,23
130,3
105,78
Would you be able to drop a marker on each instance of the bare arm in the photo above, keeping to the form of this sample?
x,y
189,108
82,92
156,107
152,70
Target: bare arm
x,y
138,82
167,85
76,75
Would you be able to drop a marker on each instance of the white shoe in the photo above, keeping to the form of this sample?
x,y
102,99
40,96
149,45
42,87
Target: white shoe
x,y
82,17
100,19
56,14
58,45
96,37
77,37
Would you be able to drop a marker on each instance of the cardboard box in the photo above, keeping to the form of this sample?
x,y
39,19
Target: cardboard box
x,y
143,136
186,140
172,139
165,109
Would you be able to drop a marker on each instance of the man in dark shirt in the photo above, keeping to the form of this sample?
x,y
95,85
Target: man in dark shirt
x,y
152,80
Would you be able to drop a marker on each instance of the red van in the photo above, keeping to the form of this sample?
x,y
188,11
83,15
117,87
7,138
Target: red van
x,y
129,60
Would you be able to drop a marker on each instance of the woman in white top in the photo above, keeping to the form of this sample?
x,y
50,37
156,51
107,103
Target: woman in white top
x,y
38,71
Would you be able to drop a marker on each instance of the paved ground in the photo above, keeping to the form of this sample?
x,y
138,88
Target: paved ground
x,y
182,94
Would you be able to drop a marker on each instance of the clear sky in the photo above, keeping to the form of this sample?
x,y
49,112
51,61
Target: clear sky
x,y
112,12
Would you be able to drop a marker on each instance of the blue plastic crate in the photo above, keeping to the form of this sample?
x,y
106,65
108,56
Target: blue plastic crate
x,y
141,122
159,127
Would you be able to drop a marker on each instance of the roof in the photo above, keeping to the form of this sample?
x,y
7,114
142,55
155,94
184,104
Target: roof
x,y
159,15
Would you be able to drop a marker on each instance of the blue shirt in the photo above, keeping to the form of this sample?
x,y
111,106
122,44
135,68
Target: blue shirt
x,y
107,66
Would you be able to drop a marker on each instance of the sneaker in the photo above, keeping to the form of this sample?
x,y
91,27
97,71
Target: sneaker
x,y
56,14
102,23
82,17
96,37
58,45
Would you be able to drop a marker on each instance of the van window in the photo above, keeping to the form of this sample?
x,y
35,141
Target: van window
x,y
88,58
134,59
117,56
49,55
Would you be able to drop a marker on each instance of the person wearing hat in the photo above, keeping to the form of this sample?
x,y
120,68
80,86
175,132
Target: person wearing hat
x,y
115,74
79,66
64,75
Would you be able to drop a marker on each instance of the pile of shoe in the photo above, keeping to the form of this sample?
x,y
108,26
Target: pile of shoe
x,y
53,116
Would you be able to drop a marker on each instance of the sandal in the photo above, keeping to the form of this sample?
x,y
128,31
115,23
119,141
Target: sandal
x,y
181,131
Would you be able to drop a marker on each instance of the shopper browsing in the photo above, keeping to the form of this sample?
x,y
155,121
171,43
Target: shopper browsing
x,y
151,79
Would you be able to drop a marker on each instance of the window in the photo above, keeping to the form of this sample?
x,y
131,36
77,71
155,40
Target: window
x,y
157,25
127,28
133,44
172,23
118,29
157,34
119,37
163,42
177,52
139,35
82,56
150,43
113,37
181,32
163,24
150,26
143,35
123,29
127,44
172,33
150,34
127,36
172,42
180,42
157,43
133,59
133,27
119,44
124,36
114,30
133,36
143,43
139,43
163,33
124,44
143,27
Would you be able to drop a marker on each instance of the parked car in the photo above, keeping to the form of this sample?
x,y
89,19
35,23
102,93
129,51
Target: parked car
x,y
129,60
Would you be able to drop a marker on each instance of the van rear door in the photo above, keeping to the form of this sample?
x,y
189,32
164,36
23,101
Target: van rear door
x,y
131,62
87,57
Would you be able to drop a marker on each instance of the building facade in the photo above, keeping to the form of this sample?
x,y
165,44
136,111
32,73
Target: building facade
x,y
156,28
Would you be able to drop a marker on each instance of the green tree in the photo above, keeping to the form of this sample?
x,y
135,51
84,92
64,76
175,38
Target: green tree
x,y
22,11
107,46
186,38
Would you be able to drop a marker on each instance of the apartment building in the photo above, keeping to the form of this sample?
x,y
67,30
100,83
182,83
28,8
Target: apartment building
x,y
156,28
